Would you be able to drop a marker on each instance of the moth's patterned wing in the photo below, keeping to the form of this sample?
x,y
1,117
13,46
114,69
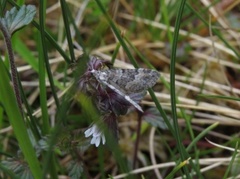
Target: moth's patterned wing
x,y
128,82
111,101
126,97
137,97
131,80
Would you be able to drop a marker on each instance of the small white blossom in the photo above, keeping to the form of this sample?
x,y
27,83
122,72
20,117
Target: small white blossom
x,y
97,135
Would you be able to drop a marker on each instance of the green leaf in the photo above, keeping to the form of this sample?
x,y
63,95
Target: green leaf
x,y
22,49
235,164
16,19
5,169
75,169
8,100
19,167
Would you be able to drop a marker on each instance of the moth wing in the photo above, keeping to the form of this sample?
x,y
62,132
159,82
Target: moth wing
x,y
132,80
126,97
137,97
131,84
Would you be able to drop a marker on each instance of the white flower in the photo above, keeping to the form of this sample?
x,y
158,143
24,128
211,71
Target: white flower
x,y
97,135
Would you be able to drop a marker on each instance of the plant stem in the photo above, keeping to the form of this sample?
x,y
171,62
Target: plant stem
x,y
137,141
14,73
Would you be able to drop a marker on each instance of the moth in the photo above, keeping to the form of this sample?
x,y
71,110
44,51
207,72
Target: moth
x,y
129,83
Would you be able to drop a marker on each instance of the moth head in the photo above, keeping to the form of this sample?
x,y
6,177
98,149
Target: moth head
x,y
99,75
102,76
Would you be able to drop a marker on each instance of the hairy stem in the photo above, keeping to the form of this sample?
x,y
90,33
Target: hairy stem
x,y
14,73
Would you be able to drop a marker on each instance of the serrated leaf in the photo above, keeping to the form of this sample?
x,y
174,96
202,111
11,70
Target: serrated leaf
x,y
16,19
153,117
19,167
75,169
